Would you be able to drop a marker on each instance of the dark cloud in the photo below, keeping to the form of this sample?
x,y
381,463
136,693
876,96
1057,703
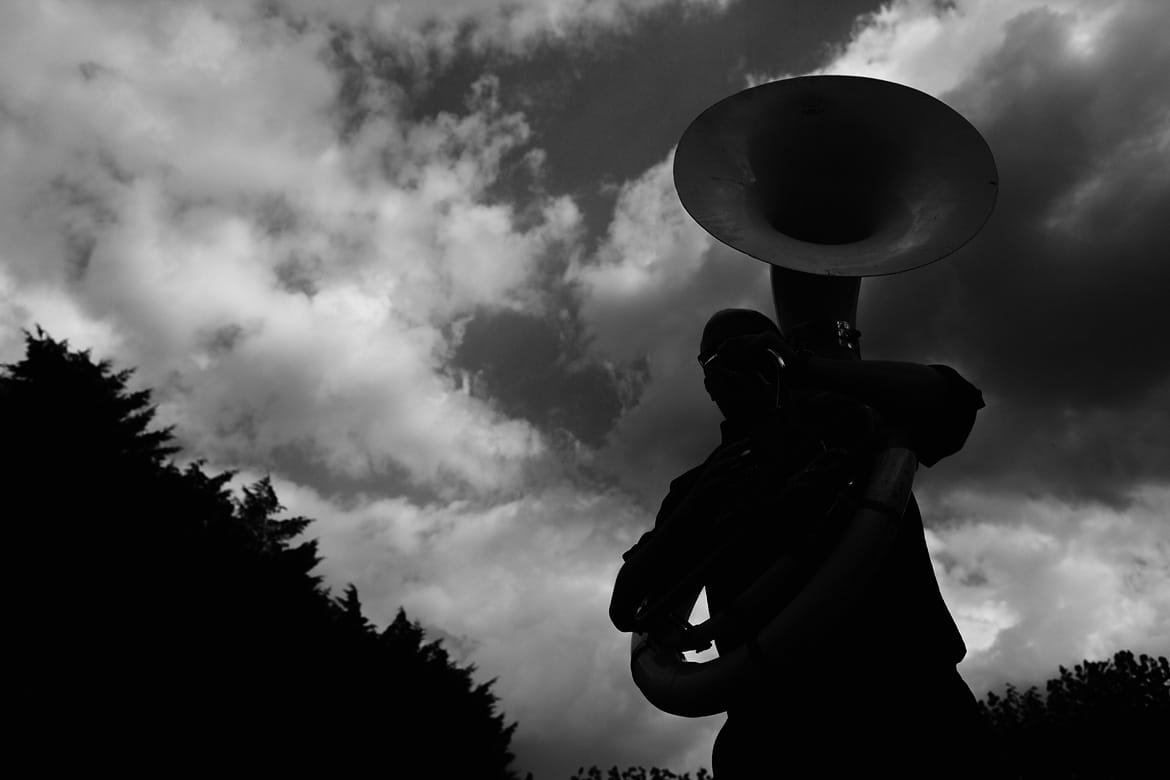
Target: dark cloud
x,y
275,215
675,425
1058,309
84,213
224,338
299,273
303,465
1075,453
79,254
531,369
605,108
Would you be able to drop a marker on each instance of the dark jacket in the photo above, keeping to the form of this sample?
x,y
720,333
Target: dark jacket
x,y
901,643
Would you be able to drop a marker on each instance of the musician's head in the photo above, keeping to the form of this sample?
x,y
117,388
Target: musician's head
x,y
743,387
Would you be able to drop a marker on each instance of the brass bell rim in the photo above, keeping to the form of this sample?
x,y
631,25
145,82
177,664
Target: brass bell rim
x,y
949,179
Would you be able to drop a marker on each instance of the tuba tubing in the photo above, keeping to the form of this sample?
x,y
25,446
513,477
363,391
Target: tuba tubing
x,y
693,689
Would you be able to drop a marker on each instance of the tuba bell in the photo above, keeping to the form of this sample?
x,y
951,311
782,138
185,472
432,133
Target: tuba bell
x,y
828,179
834,176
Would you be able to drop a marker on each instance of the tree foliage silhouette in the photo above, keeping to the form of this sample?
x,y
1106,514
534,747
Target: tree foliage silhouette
x,y
1100,719
170,621
636,773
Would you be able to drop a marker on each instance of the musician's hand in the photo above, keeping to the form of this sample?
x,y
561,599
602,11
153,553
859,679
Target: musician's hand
x,y
628,591
670,633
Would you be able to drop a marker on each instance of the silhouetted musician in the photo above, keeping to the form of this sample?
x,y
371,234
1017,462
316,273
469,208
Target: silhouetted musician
x,y
801,418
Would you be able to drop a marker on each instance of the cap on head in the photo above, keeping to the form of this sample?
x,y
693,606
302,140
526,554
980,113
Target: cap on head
x,y
741,392
729,323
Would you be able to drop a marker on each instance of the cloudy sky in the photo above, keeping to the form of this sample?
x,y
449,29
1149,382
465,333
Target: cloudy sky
x,y
423,263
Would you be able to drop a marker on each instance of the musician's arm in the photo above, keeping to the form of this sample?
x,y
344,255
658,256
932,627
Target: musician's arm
x,y
652,560
933,404
662,553
630,585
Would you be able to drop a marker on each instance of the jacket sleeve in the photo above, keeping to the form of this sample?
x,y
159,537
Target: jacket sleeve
x,y
932,405
944,431
679,487
641,563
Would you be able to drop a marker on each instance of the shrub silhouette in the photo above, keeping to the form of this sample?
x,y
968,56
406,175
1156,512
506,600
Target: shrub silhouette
x,y
163,624
1100,719
636,773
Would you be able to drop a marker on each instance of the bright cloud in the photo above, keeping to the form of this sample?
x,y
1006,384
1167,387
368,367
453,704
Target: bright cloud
x,y
419,29
652,254
521,589
495,22
175,187
935,46
1036,584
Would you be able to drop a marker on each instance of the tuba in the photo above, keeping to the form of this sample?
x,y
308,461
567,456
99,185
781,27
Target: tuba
x,y
827,179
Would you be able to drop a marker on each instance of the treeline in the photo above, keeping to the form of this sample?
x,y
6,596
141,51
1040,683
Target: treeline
x,y
637,773
1100,719
163,625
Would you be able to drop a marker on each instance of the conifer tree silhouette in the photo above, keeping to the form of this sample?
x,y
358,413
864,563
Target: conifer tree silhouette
x,y
163,624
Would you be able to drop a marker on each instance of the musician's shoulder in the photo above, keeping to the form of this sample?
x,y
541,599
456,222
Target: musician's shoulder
x,y
683,481
679,487
959,389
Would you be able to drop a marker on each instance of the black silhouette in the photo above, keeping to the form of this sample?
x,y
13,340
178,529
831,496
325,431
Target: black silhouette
x,y
163,626
881,695
636,773
1101,719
